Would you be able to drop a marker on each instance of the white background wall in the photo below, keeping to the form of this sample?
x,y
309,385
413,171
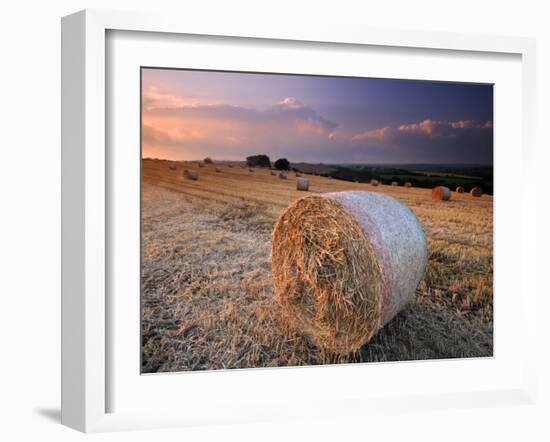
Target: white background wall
x,y
30,214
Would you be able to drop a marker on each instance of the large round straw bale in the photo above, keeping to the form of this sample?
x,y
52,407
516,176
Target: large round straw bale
x,y
408,184
459,189
394,183
441,193
345,263
191,174
282,175
374,182
302,184
476,191
218,169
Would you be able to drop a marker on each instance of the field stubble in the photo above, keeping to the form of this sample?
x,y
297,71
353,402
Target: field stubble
x,y
207,298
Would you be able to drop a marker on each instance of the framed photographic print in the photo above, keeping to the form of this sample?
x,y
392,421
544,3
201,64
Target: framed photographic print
x,y
286,222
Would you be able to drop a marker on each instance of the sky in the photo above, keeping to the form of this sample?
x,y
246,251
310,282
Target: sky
x,y
189,115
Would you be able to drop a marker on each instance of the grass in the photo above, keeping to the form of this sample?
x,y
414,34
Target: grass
x,y
207,297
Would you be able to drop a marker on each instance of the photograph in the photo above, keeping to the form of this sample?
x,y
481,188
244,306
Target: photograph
x,y
299,220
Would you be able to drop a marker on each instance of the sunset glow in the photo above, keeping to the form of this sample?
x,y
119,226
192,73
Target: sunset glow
x,y
188,115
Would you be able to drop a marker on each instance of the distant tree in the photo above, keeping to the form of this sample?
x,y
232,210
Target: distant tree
x,y
258,160
282,164
208,160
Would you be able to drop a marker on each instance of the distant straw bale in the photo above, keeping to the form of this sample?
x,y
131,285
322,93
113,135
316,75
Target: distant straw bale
x,y
476,191
459,189
200,164
172,166
282,175
344,264
302,184
394,183
191,174
251,170
272,172
408,184
218,170
441,193
374,182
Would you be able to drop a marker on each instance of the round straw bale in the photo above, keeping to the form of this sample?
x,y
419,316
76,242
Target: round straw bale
x,y
441,193
298,174
302,184
172,167
476,191
282,175
408,184
273,173
344,264
374,182
459,189
394,183
191,174
218,169
230,166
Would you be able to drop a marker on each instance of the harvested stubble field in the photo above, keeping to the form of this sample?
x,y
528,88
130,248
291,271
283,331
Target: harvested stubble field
x,y
207,297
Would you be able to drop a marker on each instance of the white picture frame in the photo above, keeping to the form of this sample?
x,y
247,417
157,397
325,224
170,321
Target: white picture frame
x,y
86,316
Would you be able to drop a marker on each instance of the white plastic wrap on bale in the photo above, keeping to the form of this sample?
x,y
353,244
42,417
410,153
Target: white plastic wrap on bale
x,y
302,184
398,241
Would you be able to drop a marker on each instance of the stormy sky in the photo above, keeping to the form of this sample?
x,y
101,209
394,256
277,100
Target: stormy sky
x,y
189,115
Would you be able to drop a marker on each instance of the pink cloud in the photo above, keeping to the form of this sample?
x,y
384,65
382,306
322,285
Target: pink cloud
x,y
194,127
437,129
291,103
376,134
155,98
425,128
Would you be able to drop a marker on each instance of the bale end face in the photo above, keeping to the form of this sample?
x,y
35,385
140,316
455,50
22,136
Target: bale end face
x,y
408,184
441,193
374,182
394,183
476,192
459,189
